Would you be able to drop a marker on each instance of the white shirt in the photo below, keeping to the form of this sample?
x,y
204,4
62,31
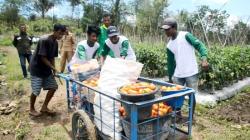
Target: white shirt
x,y
184,53
116,48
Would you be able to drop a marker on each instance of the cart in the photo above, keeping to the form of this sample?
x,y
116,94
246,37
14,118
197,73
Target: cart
x,y
83,127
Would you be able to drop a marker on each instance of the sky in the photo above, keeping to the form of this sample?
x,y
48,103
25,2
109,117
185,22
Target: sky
x,y
238,9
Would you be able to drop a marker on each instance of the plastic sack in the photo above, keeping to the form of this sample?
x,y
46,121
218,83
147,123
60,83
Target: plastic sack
x,y
115,73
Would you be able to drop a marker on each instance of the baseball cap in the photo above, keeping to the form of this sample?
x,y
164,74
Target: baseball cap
x,y
112,31
168,23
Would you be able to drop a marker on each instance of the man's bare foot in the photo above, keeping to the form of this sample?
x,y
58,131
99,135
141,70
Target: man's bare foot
x,y
48,112
34,113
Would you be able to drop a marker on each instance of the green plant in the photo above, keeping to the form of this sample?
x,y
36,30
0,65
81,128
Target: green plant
x,y
153,57
6,41
22,131
228,65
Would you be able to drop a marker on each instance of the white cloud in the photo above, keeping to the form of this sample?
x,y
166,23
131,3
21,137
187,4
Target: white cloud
x,y
210,1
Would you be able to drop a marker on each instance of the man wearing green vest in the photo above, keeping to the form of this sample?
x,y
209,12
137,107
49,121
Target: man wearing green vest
x,y
23,44
182,65
103,34
117,46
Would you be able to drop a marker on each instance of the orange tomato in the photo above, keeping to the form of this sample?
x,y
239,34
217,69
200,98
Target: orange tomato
x,y
163,88
136,88
165,111
141,91
143,84
155,107
121,109
147,90
123,91
132,91
124,114
161,113
178,87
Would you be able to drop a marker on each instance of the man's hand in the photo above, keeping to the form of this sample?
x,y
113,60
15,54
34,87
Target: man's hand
x,y
204,65
55,71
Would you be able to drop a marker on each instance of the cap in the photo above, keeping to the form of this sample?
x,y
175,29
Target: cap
x,y
168,23
112,31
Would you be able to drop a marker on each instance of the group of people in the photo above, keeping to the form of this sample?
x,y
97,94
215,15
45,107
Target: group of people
x,y
101,42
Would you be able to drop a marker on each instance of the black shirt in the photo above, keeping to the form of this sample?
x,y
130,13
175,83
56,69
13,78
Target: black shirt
x,y
23,43
47,47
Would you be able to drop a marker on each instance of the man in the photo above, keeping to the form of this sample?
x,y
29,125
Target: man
x,y
87,49
43,69
117,46
103,34
182,64
23,44
66,48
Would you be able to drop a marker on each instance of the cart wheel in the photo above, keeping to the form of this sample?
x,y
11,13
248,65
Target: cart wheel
x,y
82,127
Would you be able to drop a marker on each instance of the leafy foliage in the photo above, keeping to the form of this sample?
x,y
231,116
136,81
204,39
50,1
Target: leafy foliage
x,y
153,57
228,65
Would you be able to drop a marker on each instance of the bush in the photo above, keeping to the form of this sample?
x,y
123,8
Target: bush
x,y
40,26
153,57
227,65
5,41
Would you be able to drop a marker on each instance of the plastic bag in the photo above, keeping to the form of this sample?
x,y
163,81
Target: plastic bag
x,y
115,73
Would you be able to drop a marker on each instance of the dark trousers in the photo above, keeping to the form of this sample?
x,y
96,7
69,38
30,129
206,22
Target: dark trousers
x,y
23,58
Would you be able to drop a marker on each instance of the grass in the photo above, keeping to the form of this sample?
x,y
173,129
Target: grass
x,y
213,127
5,41
53,132
16,88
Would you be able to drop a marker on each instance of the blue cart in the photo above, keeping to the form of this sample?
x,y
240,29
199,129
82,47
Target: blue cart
x,y
158,128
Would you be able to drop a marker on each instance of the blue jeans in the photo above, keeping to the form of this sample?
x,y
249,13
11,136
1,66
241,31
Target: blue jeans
x,y
23,58
191,82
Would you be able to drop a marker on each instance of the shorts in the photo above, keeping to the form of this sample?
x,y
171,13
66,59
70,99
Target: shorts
x,y
47,83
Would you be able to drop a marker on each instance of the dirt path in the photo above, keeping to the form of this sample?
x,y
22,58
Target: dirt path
x,y
44,127
61,121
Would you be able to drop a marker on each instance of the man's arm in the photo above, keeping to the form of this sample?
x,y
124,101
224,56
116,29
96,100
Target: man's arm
x,y
14,42
73,40
200,47
124,49
104,52
170,64
197,44
48,63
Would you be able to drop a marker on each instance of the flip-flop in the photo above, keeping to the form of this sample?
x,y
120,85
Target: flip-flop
x,y
37,115
48,112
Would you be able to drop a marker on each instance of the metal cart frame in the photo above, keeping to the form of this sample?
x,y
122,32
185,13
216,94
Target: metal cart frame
x,y
135,106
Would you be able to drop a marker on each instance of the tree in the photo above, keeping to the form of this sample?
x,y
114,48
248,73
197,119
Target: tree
x,y
44,6
240,34
73,4
10,11
10,15
148,16
209,24
93,13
